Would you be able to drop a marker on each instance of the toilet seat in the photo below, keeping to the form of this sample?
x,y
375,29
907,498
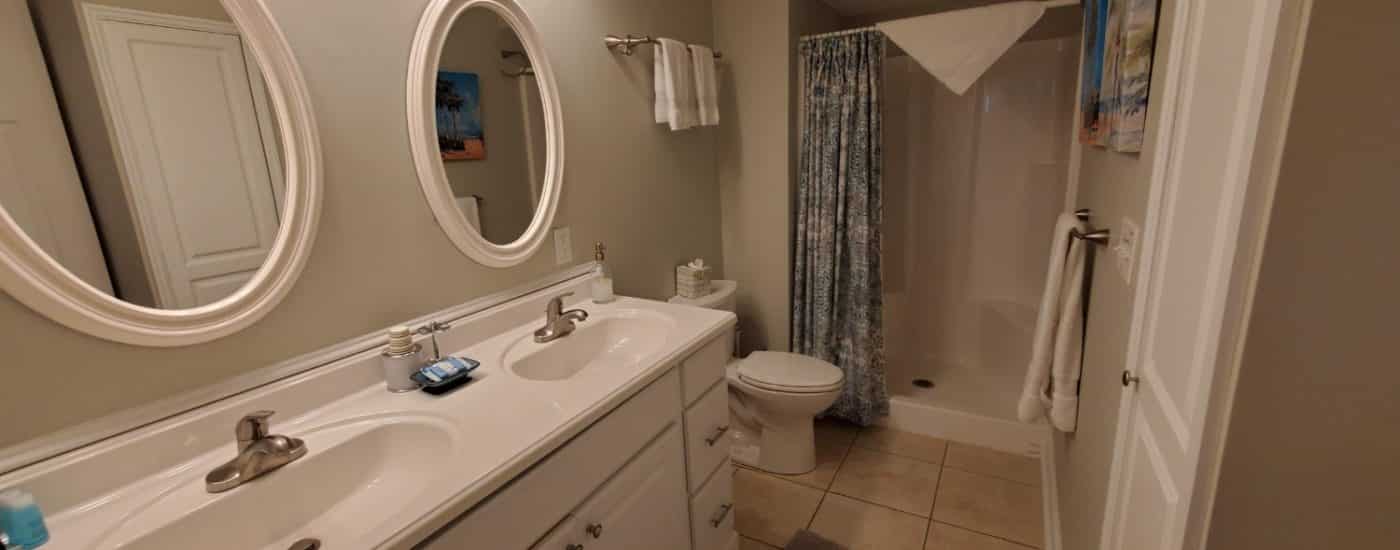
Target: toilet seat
x,y
789,373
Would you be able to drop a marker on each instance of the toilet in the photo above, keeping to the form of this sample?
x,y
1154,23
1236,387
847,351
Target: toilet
x,y
773,399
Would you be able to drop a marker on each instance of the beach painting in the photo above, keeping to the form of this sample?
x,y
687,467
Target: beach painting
x,y
1133,31
458,103
1095,27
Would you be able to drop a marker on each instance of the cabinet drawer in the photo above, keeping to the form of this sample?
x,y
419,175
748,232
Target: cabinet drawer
x,y
712,512
643,506
706,365
707,434
535,501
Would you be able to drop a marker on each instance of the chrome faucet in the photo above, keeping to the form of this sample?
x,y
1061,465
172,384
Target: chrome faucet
x,y
557,322
258,453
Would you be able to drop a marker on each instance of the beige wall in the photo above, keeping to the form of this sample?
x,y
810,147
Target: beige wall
x,y
1113,185
754,163
1311,450
379,256
501,179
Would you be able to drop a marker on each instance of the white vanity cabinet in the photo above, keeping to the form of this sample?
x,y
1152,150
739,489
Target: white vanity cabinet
x,y
652,474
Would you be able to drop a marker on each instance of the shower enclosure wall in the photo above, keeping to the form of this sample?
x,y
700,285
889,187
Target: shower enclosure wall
x,y
972,186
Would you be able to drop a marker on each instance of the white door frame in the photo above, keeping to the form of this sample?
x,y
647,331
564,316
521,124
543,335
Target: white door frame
x,y
94,15
1182,75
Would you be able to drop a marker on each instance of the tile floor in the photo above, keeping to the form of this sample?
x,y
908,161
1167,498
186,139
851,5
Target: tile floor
x,y
883,489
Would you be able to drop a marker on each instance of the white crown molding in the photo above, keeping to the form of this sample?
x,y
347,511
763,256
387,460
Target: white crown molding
x,y
426,50
38,281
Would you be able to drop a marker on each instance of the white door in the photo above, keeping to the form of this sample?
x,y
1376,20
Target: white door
x,y
199,173
39,184
1222,52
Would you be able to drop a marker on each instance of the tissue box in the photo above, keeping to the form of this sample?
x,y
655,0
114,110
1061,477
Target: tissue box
x,y
692,281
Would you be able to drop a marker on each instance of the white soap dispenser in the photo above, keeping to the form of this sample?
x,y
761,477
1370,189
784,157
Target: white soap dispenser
x,y
602,286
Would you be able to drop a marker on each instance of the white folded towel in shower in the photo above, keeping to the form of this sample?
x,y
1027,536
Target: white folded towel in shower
x,y
706,87
675,85
1052,377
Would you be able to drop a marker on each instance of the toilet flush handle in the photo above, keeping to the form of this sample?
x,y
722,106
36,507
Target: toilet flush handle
x,y
714,438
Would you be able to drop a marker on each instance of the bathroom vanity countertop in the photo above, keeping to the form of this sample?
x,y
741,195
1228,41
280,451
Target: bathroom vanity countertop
x,y
477,439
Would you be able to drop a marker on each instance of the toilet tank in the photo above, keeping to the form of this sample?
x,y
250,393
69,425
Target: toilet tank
x,y
724,297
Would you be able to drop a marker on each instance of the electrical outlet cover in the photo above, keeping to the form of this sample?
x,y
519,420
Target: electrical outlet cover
x,y
563,245
1125,247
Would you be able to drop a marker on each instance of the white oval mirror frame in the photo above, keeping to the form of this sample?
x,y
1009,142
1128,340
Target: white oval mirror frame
x,y
433,28
40,282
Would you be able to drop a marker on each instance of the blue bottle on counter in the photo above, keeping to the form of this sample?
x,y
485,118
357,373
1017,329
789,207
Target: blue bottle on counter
x,y
21,520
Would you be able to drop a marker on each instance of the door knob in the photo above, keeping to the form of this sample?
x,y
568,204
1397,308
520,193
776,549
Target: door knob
x,y
1130,378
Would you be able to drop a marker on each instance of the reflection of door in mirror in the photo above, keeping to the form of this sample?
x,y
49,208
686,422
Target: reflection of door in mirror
x,y
173,136
504,187
39,185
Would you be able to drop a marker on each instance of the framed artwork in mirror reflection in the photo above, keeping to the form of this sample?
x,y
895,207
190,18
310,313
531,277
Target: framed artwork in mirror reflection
x,y
458,103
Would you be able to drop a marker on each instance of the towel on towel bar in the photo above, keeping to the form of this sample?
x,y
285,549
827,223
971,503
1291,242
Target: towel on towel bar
x,y
1052,378
706,87
675,85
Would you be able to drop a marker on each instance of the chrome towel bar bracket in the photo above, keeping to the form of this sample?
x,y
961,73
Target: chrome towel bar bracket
x,y
627,45
1097,236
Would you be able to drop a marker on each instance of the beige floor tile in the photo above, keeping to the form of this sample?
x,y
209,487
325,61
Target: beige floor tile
x,y
922,447
771,509
942,536
890,480
995,506
863,526
836,430
746,543
981,460
832,443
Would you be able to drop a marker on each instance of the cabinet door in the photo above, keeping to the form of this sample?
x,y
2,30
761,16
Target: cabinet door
x,y
643,507
565,536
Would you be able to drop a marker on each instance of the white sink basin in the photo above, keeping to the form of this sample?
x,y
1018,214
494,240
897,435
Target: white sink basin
x,y
353,471
619,339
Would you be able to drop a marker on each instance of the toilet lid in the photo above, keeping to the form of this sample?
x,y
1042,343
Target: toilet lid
x,y
790,372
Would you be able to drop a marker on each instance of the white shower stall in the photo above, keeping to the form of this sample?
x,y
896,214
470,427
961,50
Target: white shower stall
x,y
972,186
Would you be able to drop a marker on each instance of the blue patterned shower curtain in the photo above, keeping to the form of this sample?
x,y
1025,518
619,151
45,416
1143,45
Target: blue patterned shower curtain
x,y
836,301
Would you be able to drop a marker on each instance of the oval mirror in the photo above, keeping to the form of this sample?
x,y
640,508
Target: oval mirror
x,y
485,128
159,167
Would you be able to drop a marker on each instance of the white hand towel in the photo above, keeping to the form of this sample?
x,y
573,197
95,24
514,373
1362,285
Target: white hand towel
x,y
1052,377
675,85
706,87
471,209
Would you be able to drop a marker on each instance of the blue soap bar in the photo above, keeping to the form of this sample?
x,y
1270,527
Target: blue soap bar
x,y
445,371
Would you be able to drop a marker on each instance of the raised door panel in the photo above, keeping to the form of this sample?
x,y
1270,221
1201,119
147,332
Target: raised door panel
x,y
706,365
644,506
712,512
193,155
706,431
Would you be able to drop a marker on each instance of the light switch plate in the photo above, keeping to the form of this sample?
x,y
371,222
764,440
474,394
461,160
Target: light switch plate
x,y
563,245
1125,247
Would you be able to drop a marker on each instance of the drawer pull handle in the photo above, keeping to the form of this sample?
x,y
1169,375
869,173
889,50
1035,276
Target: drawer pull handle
x,y
574,547
595,530
714,438
719,515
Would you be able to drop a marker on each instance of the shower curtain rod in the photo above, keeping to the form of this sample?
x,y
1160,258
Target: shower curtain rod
x,y
1049,4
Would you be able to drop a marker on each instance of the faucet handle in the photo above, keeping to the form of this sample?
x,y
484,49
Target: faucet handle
x,y
252,427
556,304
